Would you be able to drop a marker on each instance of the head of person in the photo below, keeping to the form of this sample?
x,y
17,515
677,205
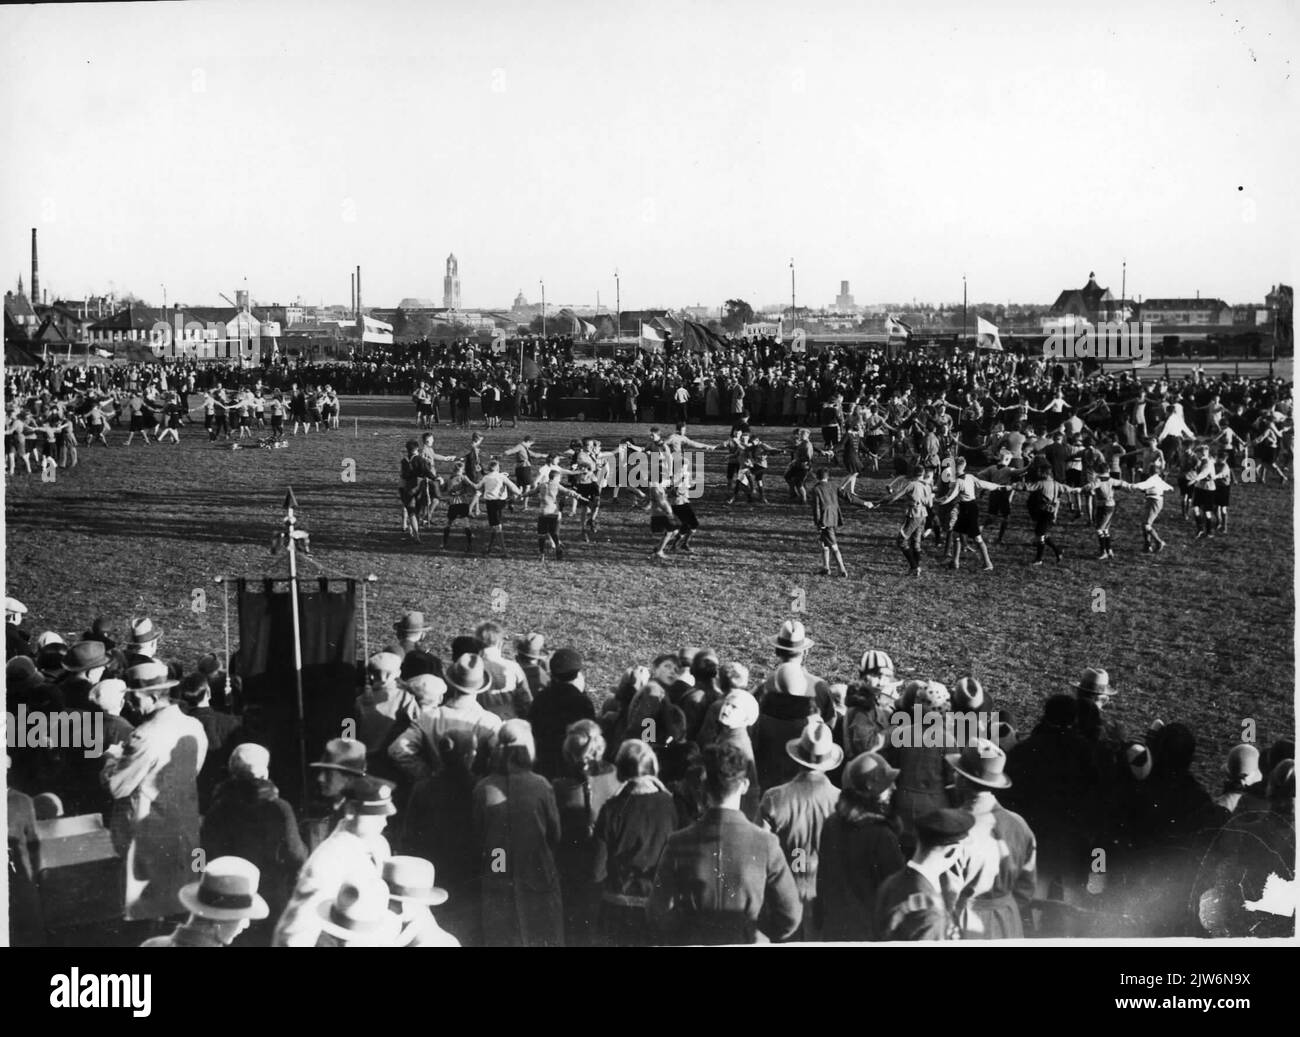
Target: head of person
x,y
726,774
344,762
225,899
412,447
566,665
515,749
704,668
194,690
382,671
109,695
369,805
583,750
739,709
428,689
867,786
490,635
250,762
150,687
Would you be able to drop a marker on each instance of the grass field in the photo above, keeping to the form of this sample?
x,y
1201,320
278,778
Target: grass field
x,y
1202,632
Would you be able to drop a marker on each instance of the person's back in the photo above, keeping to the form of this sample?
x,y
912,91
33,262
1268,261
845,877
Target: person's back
x,y
724,880
248,819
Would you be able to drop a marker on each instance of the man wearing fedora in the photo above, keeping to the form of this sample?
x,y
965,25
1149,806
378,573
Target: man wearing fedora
x,y
410,631
143,645
222,904
792,644
356,847
414,753
411,897
156,775
797,811
83,667
724,880
916,902
528,654
999,877
1095,687
562,702
357,915
344,762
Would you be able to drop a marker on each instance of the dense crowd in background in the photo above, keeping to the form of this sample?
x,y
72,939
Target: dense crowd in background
x,y
489,794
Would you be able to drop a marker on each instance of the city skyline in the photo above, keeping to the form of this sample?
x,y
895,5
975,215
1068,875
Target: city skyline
x,y
210,142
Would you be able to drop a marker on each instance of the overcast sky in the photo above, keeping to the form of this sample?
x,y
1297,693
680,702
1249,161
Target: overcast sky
x,y
696,146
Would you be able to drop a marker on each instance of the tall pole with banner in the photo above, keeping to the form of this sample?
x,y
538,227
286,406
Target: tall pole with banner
x,y
288,539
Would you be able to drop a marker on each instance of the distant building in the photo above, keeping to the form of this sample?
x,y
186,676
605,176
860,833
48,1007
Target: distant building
x,y
1195,311
1091,303
451,284
844,301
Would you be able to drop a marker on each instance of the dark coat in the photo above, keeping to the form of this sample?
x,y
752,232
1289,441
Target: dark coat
x,y
517,826
1055,788
781,718
249,819
218,727
854,861
908,907
558,706
724,880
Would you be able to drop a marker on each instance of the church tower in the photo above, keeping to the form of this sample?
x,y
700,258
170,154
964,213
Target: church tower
x,y
451,284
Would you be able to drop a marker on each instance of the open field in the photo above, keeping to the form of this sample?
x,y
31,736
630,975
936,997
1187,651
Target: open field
x,y
1201,632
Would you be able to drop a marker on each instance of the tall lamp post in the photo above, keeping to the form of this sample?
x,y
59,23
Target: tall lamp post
x,y
543,284
963,309
794,312
618,312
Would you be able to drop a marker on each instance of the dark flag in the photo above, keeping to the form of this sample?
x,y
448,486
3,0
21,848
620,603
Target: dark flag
x,y
700,339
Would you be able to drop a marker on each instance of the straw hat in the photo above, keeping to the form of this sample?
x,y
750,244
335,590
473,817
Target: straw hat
x,y
226,891
815,749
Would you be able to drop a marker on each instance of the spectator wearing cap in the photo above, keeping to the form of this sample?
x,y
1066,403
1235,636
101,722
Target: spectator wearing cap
x,y
999,877
438,825
384,711
510,696
723,880
869,705
83,667
859,850
797,810
415,658
156,775
562,702
528,654
1057,790
517,828
412,895
587,783
915,903
922,781
248,819
222,904
195,695
356,847
631,832
1244,788
343,762
793,644
99,631
414,752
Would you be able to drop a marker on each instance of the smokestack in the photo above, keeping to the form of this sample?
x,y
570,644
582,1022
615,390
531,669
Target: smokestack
x,y
36,276
358,291
352,299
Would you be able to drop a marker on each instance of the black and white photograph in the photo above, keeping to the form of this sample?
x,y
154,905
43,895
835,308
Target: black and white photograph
x,y
651,474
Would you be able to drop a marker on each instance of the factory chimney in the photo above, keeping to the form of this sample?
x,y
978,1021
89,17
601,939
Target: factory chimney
x,y
352,299
36,277
358,291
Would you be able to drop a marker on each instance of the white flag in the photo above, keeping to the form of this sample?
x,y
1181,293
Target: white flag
x,y
987,334
651,340
895,328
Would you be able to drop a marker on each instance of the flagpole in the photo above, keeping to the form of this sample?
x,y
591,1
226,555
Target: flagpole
x,y
290,502
963,309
